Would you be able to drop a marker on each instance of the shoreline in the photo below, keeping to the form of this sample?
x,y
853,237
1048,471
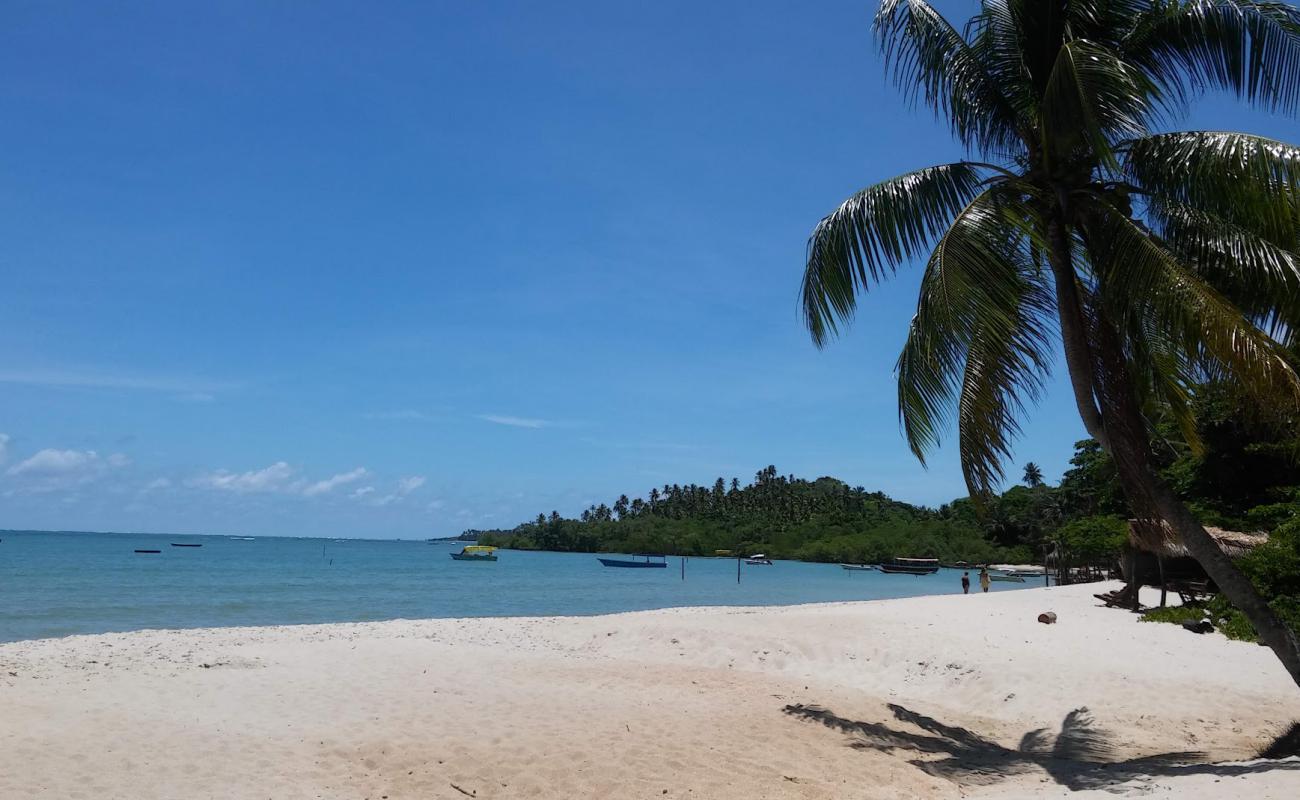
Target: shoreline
x,y
941,695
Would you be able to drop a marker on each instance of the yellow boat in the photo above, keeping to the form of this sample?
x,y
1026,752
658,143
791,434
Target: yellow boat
x,y
476,552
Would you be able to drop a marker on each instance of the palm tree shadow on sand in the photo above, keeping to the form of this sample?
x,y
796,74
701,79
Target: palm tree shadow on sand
x,y
1081,756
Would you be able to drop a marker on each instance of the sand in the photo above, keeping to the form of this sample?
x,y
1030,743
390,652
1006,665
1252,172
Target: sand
x,y
954,696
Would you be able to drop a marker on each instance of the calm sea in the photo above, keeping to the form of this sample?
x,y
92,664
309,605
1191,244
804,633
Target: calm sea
x,y
57,584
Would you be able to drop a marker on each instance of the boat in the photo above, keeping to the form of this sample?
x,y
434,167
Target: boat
x,y
476,552
185,544
645,562
1024,573
759,560
862,567
911,566
1007,578
148,551
243,538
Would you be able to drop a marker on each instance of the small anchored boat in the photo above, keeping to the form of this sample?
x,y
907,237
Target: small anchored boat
x,y
859,567
477,552
1006,578
759,560
148,551
911,566
185,544
647,562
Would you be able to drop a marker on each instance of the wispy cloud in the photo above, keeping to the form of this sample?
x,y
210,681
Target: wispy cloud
x,y
402,414
156,484
404,487
641,445
184,387
52,469
515,422
4,447
330,484
274,478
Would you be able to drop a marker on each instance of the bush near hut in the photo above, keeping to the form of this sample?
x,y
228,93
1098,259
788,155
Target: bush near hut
x,y
1175,614
1274,568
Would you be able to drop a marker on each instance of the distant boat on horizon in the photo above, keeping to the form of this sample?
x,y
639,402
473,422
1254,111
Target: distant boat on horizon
x,y
243,538
185,544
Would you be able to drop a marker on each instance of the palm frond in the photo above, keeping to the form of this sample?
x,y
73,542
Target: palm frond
x,y
1140,280
873,233
1260,278
1093,99
1248,47
978,343
1250,181
931,59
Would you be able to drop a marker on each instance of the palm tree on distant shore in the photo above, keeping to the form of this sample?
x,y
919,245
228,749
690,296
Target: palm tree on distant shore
x,y
1159,258
1033,475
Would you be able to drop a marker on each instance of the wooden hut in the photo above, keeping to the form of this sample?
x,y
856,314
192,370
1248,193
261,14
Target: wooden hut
x,y
1155,556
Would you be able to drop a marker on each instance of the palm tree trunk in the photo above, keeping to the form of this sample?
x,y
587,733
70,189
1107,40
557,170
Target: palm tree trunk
x,y
1096,363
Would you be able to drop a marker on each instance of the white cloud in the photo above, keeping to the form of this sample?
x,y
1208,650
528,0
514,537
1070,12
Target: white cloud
x,y
4,443
515,422
156,484
330,484
435,505
55,462
404,487
363,491
185,387
269,479
404,414
52,469
408,485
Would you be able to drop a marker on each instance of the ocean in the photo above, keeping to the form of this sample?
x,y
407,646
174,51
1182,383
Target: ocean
x,y
60,584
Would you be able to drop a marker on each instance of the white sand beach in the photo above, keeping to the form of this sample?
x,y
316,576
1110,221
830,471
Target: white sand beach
x,y
955,696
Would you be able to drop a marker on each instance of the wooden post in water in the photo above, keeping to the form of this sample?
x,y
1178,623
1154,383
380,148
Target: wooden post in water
x,y
683,567
737,569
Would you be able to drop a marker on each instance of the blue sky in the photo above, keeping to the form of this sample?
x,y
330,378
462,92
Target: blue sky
x,y
407,268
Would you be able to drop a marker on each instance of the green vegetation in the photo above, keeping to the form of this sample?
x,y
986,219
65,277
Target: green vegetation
x,y
782,516
1274,569
1157,257
1175,614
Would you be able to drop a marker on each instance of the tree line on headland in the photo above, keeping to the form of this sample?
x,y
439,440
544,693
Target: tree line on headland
x,y
1243,474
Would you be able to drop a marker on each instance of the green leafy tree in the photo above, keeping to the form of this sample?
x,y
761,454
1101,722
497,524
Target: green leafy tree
x,y
1158,257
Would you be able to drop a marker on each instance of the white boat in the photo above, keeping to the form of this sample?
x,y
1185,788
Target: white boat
x,y
863,567
759,560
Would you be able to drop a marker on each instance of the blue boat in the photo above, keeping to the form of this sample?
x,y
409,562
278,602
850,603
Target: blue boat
x,y
645,563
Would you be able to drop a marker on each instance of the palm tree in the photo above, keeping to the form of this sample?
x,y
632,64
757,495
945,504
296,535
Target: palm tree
x,y
1033,475
1160,258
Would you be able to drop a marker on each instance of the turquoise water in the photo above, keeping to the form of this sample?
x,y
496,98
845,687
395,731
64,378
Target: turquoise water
x,y
57,584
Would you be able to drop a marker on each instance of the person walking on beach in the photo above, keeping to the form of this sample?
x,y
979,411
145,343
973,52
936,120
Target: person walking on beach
x,y
965,583
984,578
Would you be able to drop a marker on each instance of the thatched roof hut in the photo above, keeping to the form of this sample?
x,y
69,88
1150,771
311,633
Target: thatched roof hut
x,y
1157,538
1156,557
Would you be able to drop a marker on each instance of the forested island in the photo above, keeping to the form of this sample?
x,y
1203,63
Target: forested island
x,y
1237,470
